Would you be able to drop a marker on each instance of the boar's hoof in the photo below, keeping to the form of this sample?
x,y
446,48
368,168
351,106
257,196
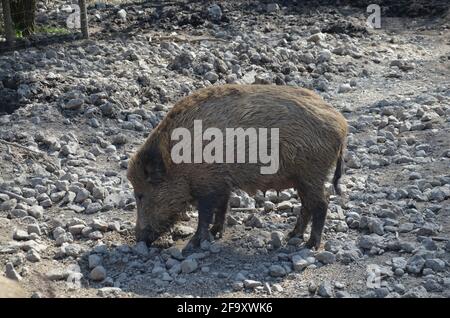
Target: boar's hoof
x,y
195,242
217,230
294,233
312,243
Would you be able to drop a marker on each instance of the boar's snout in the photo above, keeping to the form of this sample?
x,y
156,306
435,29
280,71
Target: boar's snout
x,y
146,235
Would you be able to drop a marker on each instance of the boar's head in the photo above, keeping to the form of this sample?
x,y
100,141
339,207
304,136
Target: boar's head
x,y
161,193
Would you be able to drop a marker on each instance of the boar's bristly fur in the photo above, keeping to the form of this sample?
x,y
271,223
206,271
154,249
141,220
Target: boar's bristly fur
x,y
312,138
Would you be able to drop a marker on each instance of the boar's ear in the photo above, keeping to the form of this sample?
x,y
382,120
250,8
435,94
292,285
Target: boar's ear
x,y
154,166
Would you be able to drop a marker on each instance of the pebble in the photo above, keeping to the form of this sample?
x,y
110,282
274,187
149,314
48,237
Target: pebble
x,y
248,283
326,257
11,273
325,290
188,266
415,264
98,273
277,239
277,271
33,256
94,260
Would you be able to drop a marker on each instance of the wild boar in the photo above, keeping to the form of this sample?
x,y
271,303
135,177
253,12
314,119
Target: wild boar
x,y
311,136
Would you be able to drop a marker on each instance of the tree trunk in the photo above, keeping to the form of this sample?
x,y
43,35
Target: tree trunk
x,y
9,29
23,14
83,19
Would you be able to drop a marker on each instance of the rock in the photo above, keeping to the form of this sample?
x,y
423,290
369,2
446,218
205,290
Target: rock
x,y
34,228
214,248
18,214
312,287
277,288
122,14
11,273
94,208
57,274
94,260
188,266
99,193
82,195
8,205
141,249
36,211
94,235
399,263
211,76
98,273
435,264
20,235
325,290
299,263
332,246
76,229
342,294
369,241
74,104
63,238
277,271
277,239
348,256
285,205
99,225
324,56
344,88
406,227
254,221
176,253
248,283
415,264
33,256
109,292
432,285
73,250
416,292
316,38
326,257
375,225
269,206
214,13
272,7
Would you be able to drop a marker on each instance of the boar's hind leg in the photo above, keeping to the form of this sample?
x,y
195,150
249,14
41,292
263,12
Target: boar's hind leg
x,y
302,220
318,206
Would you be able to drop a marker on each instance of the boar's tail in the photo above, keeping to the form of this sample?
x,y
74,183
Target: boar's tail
x,y
338,172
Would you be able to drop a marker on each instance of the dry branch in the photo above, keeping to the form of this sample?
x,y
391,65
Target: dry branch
x,y
33,152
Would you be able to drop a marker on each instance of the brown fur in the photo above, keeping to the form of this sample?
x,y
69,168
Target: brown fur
x,y
10,289
312,138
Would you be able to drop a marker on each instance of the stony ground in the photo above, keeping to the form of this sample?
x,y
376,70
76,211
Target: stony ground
x,y
71,114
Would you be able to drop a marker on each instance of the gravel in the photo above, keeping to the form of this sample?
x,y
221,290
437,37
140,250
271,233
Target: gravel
x,y
70,213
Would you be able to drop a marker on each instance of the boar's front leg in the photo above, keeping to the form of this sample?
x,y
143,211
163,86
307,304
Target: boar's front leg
x,y
207,204
219,216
